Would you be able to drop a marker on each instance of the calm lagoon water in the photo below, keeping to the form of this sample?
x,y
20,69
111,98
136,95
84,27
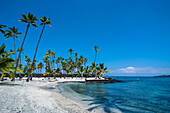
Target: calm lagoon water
x,y
147,95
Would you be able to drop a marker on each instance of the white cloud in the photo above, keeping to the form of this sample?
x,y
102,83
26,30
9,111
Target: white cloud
x,y
143,70
127,70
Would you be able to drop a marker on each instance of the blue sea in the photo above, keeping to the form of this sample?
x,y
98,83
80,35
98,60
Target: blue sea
x,y
142,95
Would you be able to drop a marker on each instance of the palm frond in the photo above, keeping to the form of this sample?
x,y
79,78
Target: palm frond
x,y
18,38
1,26
34,25
23,20
49,23
24,16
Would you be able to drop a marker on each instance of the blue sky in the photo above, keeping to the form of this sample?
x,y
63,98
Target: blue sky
x,y
129,33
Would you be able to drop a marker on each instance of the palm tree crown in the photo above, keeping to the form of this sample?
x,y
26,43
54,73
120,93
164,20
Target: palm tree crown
x,y
71,51
2,31
96,49
12,32
44,20
30,19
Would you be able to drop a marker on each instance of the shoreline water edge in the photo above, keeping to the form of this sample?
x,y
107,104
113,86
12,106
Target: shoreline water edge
x,y
39,96
59,96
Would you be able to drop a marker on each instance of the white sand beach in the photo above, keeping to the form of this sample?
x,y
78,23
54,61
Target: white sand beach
x,y
32,97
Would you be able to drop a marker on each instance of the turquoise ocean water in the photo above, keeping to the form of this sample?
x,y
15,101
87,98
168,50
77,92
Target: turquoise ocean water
x,y
145,95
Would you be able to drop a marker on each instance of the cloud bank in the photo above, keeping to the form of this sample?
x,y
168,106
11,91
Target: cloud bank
x,y
144,70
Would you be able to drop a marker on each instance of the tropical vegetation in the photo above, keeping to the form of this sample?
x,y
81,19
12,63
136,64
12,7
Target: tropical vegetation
x,y
50,64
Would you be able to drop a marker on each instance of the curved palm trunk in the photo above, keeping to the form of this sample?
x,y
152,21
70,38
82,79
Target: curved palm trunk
x,y
35,52
95,57
21,49
15,48
20,73
94,62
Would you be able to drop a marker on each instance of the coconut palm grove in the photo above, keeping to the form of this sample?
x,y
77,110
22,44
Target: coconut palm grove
x,y
52,65
85,56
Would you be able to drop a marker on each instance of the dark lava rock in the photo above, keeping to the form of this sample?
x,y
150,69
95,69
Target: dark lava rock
x,y
102,81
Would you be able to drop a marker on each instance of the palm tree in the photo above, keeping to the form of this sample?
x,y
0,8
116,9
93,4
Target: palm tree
x,y
49,53
95,48
22,51
20,66
13,32
40,66
53,54
45,59
27,60
2,31
57,71
71,52
6,63
58,61
53,61
20,58
85,61
81,70
29,19
34,65
102,70
76,55
44,21
64,66
87,71
94,69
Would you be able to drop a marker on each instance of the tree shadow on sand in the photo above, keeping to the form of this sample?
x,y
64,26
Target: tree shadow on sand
x,y
9,84
98,103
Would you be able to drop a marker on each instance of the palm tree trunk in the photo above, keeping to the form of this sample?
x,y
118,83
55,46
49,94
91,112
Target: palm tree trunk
x,y
20,64
15,49
95,57
21,49
35,52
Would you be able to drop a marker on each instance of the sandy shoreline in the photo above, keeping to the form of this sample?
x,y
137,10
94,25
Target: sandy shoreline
x,y
34,97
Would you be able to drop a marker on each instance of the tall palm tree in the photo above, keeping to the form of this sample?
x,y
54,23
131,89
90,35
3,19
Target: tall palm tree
x,y
22,51
45,59
85,61
76,55
41,65
71,52
2,31
27,60
13,32
44,21
58,72
49,53
29,19
96,49
53,54
18,50
58,61
53,61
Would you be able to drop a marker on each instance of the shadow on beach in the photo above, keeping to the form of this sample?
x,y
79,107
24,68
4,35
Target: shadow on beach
x,y
9,84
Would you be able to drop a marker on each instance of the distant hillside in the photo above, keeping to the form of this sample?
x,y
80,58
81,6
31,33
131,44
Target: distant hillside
x,y
163,76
